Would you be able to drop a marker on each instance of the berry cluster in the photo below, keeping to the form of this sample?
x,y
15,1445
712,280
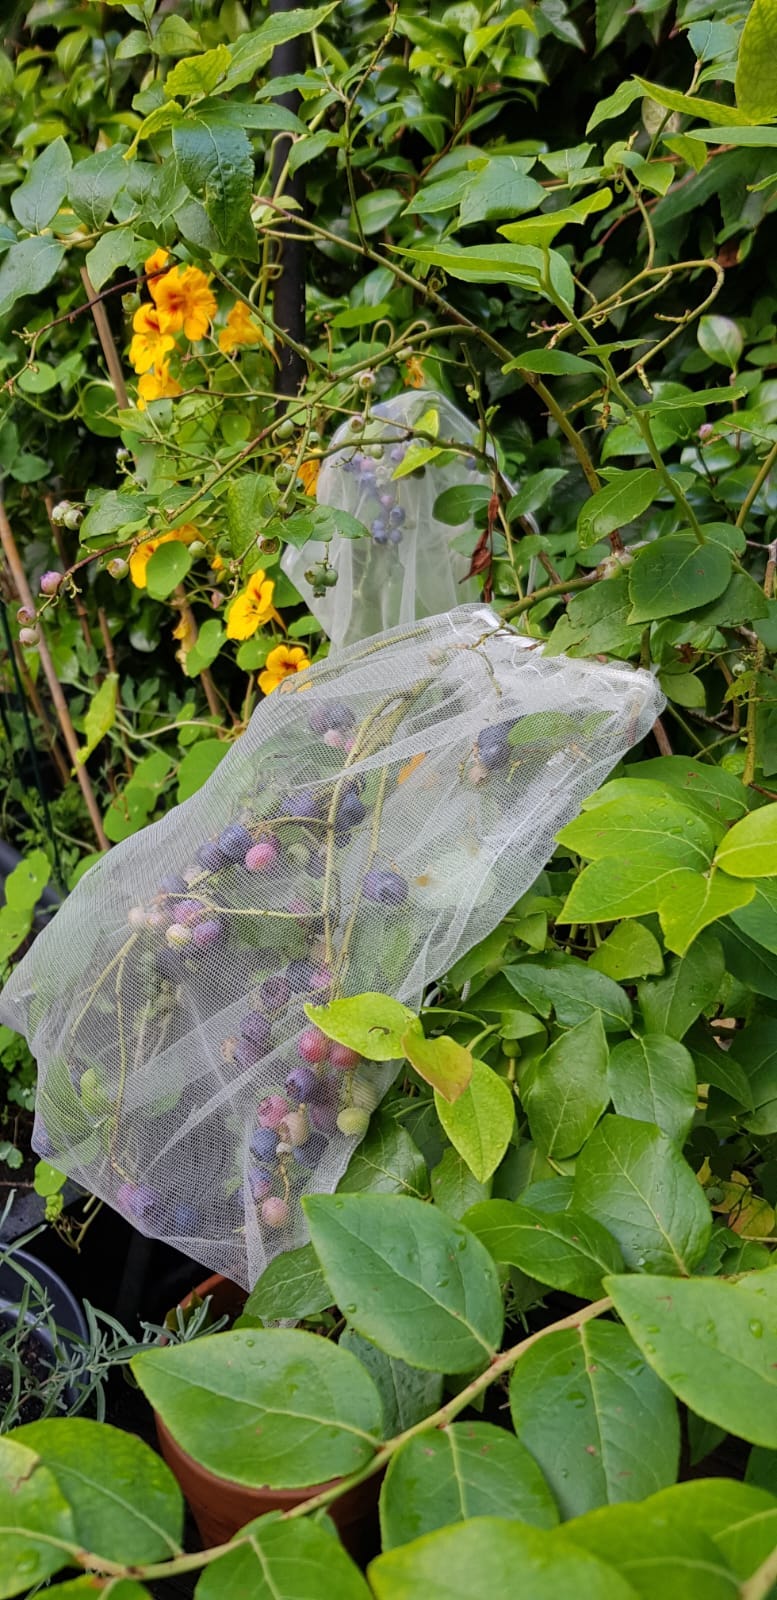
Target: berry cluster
x,y
383,514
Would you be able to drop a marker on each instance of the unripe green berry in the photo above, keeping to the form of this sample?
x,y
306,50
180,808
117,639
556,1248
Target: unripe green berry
x,y
285,429
118,567
353,1122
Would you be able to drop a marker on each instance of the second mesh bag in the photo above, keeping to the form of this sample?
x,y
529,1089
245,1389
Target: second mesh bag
x,y
379,816
412,564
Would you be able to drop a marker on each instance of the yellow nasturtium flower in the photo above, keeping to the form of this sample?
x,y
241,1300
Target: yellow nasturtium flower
x,y
252,607
149,345
156,262
240,329
184,300
158,384
282,662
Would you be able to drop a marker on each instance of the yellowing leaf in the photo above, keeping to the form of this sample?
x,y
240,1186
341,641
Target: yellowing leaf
x,y
443,1063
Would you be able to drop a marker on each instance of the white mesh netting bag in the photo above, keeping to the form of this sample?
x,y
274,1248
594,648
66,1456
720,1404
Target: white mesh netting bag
x,y
408,567
379,816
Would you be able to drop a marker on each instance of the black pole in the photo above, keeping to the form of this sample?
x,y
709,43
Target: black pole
x,y
289,289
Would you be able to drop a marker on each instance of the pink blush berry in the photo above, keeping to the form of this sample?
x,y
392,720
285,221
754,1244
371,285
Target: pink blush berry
x,y
313,1046
272,1111
275,1212
262,855
334,739
340,1056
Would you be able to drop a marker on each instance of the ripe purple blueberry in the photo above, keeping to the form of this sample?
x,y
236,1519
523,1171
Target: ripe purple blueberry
x,y
493,745
350,811
323,1117
234,842
304,977
272,1111
260,1183
275,992
379,530
209,933
255,1028
186,1219
189,911
304,803
172,884
211,856
386,888
302,1083
309,1154
331,717
263,1144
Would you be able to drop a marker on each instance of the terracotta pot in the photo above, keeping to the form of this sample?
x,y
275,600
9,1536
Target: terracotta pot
x,y
220,1506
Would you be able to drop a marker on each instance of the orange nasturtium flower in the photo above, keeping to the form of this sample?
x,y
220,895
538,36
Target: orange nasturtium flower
x,y
240,329
307,472
149,345
158,384
156,262
252,607
146,546
282,662
184,299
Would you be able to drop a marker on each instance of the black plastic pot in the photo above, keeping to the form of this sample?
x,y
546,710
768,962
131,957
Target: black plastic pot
x,y
63,1305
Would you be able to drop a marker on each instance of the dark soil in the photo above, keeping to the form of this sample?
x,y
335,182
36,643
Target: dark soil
x,y
35,1355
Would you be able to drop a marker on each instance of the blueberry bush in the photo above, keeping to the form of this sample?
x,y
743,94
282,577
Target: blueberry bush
x,y
558,1227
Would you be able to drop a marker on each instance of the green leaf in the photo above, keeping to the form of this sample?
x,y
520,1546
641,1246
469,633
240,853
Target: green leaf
x,y
690,105
113,513
756,79
747,138
408,1278
486,1556
198,75
674,575
274,1560
615,104
27,268
215,162
636,820
441,1062
565,1092
31,1503
632,1179
565,1249
460,504
470,1469
653,1079
125,1503
522,265
708,788
617,505
714,1342
696,900
371,1023
386,1162
758,918
574,990
721,339
500,188
23,887
557,363
600,1424
407,1393
274,1407
198,764
630,951
116,248
541,230
210,639
740,1519
657,1552
291,1287
671,1004
95,183
39,198
454,1189
100,716
755,1050
253,50
749,849
84,1589
480,1121
377,209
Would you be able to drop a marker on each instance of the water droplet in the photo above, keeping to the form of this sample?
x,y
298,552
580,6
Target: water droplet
x,y
756,1328
650,1349
250,1344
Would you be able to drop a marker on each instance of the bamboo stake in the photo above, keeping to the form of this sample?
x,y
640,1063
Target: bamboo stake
x,y
60,703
